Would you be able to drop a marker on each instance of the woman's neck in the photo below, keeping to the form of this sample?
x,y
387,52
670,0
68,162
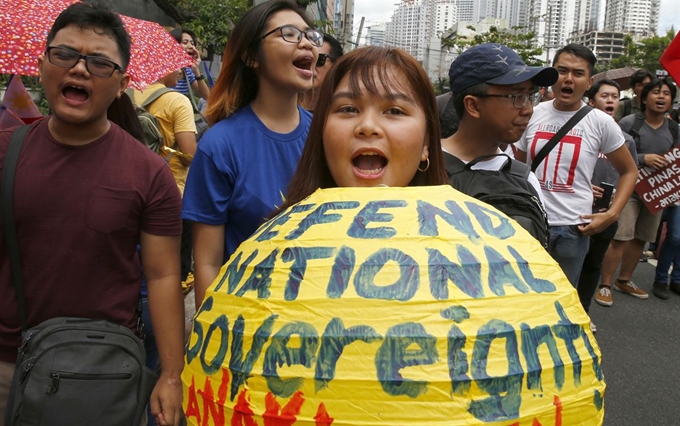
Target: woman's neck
x,y
276,108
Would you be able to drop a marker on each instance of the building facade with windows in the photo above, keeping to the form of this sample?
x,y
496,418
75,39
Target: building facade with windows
x,y
606,45
639,18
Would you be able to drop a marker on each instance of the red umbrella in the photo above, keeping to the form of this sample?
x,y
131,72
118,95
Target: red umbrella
x,y
24,25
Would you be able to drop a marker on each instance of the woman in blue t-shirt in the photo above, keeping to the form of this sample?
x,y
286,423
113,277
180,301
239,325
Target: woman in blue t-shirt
x,y
243,164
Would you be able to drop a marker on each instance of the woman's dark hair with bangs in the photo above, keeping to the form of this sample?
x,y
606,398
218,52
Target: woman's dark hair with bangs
x,y
237,84
375,67
97,18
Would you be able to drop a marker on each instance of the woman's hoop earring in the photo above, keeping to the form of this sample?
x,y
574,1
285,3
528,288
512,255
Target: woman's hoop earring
x,y
426,167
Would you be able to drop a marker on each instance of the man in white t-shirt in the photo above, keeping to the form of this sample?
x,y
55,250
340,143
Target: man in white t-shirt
x,y
566,171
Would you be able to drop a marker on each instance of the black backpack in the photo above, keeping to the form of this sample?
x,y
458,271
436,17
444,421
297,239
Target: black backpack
x,y
637,125
507,189
627,107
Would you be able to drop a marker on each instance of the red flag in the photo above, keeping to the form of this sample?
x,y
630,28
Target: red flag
x,y
670,59
19,101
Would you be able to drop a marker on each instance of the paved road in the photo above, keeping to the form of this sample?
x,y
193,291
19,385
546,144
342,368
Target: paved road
x,y
640,343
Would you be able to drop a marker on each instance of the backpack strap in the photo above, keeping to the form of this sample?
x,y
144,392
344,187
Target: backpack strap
x,y
511,166
9,169
673,127
627,106
557,137
634,130
453,164
154,96
518,168
191,98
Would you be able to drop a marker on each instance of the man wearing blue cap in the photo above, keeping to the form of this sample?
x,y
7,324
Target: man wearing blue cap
x,y
494,94
565,172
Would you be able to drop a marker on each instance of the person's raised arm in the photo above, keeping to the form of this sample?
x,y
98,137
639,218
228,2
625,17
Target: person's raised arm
x,y
160,257
208,257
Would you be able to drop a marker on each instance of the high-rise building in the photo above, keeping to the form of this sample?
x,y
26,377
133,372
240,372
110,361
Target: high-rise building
x,y
411,27
512,10
343,22
446,15
375,35
465,10
606,45
597,13
637,17
555,21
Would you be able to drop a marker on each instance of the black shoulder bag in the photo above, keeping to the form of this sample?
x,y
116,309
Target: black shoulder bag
x,y
70,371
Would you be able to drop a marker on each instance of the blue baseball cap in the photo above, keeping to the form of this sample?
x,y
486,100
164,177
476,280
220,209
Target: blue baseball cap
x,y
493,63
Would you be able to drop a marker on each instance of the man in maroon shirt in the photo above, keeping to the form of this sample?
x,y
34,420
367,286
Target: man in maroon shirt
x,y
86,194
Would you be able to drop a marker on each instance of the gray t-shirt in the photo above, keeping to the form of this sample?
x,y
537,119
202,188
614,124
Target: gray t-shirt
x,y
605,171
652,141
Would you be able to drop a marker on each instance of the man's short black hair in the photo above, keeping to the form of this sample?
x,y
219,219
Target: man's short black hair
x,y
639,76
598,84
98,18
656,83
177,35
579,51
476,90
336,47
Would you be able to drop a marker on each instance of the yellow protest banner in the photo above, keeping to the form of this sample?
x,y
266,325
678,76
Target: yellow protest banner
x,y
392,306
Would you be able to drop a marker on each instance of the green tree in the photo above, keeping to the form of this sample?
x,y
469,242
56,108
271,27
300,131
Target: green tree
x,y
211,20
518,38
325,26
644,53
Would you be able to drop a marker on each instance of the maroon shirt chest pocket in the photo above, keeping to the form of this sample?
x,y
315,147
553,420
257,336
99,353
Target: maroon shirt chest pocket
x,y
112,210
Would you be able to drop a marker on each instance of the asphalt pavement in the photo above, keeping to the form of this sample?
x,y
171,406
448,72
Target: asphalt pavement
x,y
640,344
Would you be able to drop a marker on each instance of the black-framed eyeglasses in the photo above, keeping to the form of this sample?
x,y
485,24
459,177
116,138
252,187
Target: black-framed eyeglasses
x,y
68,58
519,100
293,34
323,57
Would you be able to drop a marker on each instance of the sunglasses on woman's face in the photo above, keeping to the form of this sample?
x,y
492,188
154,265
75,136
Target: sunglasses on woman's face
x,y
322,59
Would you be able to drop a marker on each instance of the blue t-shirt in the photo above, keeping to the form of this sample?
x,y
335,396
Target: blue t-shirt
x,y
182,86
240,173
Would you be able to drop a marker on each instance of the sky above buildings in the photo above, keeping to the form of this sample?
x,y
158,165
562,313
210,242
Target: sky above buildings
x,y
376,11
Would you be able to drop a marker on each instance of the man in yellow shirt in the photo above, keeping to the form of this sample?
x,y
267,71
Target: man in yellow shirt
x,y
176,118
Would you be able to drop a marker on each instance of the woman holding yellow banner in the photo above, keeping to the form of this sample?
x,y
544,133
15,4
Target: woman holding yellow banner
x,y
410,304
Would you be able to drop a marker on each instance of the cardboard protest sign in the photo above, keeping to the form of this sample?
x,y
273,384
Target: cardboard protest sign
x,y
392,306
660,188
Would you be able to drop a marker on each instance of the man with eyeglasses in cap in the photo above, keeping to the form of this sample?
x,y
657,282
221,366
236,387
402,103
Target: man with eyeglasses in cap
x,y
494,94
330,52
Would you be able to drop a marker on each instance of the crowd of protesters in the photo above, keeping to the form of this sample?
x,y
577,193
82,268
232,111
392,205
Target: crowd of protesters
x,y
289,113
